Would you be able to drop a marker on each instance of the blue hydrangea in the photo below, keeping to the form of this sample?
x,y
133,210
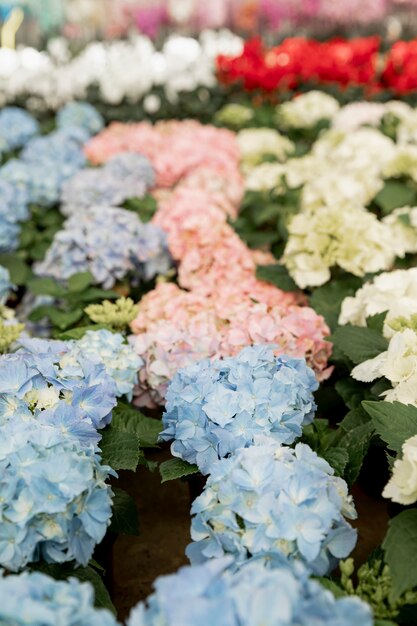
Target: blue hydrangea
x,y
54,502
5,284
60,150
254,595
36,599
13,203
31,178
50,382
267,499
16,128
118,357
213,408
108,242
80,115
9,235
123,177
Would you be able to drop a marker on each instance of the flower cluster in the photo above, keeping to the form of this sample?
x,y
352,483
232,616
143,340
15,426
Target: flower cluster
x,y
119,359
213,408
5,284
108,242
257,143
32,597
80,115
10,328
53,383
127,175
175,328
16,128
13,209
55,504
402,486
273,499
214,593
307,110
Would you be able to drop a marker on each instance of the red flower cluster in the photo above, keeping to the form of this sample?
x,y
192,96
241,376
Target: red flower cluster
x,y
298,61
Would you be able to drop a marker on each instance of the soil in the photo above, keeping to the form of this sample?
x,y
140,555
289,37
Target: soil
x,y
164,518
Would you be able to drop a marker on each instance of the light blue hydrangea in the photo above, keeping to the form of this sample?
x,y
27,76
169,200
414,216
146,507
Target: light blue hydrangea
x,y
13,209
31,178
123,177
108,242
5,284
267,499
80,115
254,595
213,408
54,502
60,150
36,599
16,128
118,357
50,382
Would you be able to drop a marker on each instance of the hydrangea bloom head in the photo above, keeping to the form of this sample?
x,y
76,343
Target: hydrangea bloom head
x,y
5,284
81,115
16,128
60,150
32,597
55,504
108,242
268,498
251,595
213,408
307,110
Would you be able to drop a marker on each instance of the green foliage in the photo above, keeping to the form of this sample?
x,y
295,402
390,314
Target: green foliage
x,y
359,344
400,546
276,275
125,514
394,195
176,468
327,300
18,269
130,420
119,449
393,421
145,207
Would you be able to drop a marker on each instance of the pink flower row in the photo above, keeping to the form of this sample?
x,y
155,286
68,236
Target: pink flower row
x,y
219,306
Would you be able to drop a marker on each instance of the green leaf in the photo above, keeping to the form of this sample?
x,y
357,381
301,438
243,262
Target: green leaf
x,y
19,271
394,195
176,468
119,449
276,275
356,442
376,322
327,300
393,421
400,547
352,392
47,287
94,294
147,429
330,585
64,319
337,458
78,333
79,282
125,514
63,571
359,344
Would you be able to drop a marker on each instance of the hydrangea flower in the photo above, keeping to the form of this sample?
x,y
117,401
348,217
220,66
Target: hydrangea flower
x,y
53,383
30,178
32,597
307,110
255,595
80,115
5,284
119,358
131,166
269,499
108,242
60,150
16,128
55,504
213,408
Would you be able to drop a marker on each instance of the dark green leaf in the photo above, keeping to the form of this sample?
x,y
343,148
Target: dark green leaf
x,y
330,585
352,392
356,442
47,287
94,294
125,514
119,449
376,322
394,195
176,468
359,344
276,275
400,547
79,282
393,421
19,271
128,419
337,458
327,300
64,319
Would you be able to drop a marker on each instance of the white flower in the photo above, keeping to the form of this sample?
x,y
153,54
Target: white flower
x,y
403,162
340,188
357,114
402,486
256,143
307,110
265,177
403,225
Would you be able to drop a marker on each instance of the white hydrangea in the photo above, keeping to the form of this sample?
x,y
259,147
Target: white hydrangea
x,y
402,163
403,225
265,177
407,128
306,110
256,143
357,114
402,486
395,292
343,189
352,239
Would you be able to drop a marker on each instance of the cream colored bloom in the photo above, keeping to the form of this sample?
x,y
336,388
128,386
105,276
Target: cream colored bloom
x,y
403,162
403,225
307,110
256,143
402,486
265,177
